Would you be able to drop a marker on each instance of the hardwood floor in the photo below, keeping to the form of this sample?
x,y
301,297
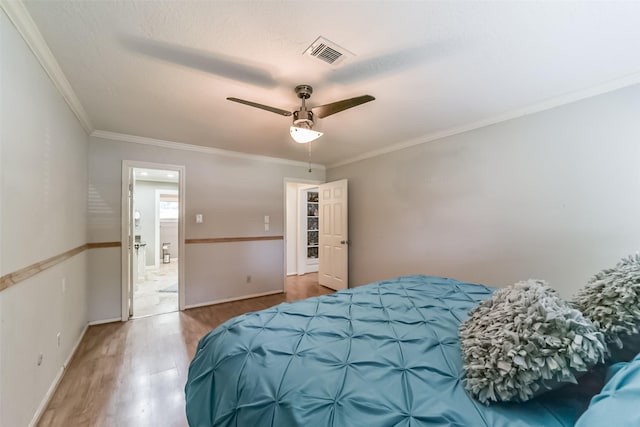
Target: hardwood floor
x,y
133,373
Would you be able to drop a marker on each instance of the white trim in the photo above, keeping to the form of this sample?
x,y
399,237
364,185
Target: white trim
x,y
56,381
19,16
182,266
220,301
124,236
103,321
130,164
115,136
21,19
558,101
303,181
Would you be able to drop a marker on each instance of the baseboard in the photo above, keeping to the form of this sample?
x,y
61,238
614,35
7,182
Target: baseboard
x,y
102,322
220,301
56,381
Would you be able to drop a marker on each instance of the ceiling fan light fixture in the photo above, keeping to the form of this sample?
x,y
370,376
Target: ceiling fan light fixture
x,y
301,130
302,134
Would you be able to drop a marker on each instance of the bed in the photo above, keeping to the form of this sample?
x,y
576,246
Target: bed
x,y
385,354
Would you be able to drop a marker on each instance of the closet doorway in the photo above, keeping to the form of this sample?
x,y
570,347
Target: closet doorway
x,y
316,232
301,239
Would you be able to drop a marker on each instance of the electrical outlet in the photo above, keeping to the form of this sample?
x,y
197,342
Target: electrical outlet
x,y
249,279
64,285
39,362
58,338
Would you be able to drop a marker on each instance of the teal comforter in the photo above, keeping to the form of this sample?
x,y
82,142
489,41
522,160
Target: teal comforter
x,y
385,354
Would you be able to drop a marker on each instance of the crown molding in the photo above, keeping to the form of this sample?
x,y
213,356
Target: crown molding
x,y
21,19
610,86
19,16
115,136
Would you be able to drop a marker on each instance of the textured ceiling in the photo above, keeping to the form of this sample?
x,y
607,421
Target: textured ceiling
x,y
163,69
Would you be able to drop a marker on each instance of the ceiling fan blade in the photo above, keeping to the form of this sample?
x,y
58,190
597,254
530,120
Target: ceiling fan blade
x,y
335,107
262,107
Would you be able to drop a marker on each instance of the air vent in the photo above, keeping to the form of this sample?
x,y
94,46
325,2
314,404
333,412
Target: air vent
x,y
327,51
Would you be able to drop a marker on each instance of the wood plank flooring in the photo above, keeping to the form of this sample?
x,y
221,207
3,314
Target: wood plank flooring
x,y
133,373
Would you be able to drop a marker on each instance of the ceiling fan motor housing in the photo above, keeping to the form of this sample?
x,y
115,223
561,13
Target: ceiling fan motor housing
x,y
303,117
304,91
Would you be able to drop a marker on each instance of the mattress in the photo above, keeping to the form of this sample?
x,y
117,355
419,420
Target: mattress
x,y
385,354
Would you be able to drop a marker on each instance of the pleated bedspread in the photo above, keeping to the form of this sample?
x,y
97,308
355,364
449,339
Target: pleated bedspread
x,y
385,354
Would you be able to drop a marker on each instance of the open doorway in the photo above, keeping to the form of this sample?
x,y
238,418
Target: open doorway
x,y
154,236
316,230
301,243
156,252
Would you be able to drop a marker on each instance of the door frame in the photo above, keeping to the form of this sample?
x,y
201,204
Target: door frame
x,y
286,237
127,166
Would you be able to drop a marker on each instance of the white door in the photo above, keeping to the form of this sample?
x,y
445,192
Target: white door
x,y
334,240
132,259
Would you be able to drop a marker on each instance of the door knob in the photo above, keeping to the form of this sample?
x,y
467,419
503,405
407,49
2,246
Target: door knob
x,y
345,242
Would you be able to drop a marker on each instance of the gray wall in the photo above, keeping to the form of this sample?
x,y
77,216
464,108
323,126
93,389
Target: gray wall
x,y
554,195
233,194
43,210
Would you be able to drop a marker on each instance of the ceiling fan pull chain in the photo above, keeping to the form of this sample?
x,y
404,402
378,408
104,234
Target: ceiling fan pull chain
x,y
309,149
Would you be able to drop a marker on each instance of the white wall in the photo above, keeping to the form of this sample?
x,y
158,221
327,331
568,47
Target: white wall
x,y
554,195
43,187
233,194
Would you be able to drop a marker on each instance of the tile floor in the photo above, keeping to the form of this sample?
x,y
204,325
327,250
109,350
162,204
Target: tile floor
x,y
154,295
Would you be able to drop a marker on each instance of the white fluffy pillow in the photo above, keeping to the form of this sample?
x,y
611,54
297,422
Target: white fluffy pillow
x,y
525,340
611,300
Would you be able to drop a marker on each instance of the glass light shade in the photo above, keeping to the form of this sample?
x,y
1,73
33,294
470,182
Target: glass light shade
x,y
303,135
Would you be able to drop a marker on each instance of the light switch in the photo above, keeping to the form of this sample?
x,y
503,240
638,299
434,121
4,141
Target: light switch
x,y
266,219
266,226
199,219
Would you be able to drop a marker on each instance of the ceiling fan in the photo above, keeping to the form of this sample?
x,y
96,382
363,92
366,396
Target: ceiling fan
x,y
302,128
